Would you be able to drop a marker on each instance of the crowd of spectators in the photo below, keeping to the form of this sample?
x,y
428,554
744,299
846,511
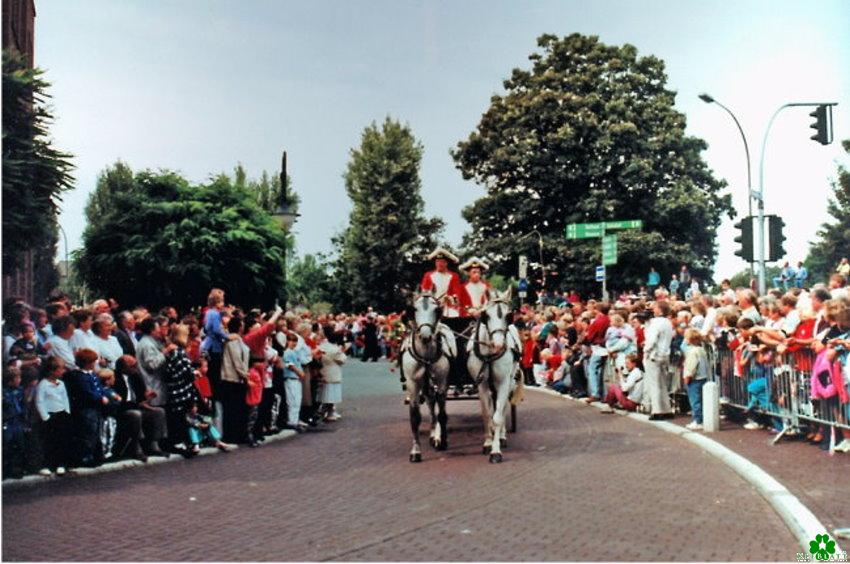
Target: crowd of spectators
x,y
92,384
651,350
87,385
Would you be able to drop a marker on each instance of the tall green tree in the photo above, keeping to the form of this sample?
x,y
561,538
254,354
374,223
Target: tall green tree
x,y
383,247
589,133
163,240
833,242
309,280
35,173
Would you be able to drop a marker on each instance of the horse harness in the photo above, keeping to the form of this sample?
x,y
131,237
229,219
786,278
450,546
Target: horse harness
x,y
488,359
420,358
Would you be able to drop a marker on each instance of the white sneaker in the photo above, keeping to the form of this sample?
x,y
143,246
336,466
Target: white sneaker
x,y
693,426
752,426
45,472
843,446
60,471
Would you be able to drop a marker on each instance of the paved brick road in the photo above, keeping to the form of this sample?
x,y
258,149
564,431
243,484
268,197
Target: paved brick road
x,y
575,485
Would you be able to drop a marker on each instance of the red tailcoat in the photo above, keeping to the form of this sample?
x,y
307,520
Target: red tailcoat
x,y
467,301
454,290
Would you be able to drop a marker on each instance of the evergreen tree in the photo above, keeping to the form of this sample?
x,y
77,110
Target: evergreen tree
x,y
35,173
834,238
381,252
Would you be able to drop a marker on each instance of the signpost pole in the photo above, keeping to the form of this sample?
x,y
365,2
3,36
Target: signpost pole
x,y
605,279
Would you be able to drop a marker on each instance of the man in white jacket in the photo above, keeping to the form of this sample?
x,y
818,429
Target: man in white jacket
x,y
656,361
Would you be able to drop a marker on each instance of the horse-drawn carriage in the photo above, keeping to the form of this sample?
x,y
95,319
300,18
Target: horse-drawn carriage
x,y
432,353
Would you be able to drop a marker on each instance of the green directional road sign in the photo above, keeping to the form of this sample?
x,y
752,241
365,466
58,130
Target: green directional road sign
x,y
585,230
592,230
624,224
609,249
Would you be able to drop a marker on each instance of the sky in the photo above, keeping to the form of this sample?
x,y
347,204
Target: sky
x,y
198,86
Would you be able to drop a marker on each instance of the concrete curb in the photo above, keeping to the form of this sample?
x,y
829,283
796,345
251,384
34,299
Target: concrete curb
x,y
797,517
35,479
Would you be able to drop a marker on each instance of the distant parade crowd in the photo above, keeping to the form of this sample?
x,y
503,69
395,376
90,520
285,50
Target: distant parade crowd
x,y
88,384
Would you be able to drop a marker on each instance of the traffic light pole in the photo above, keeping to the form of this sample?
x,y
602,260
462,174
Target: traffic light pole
x,y
760,195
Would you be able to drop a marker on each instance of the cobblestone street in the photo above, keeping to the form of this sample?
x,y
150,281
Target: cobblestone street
x,y
575,485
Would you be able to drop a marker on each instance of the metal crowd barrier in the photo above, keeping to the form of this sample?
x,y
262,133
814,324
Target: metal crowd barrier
x,y
779,389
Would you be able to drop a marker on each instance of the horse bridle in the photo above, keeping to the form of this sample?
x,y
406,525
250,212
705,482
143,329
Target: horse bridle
x,y
489,358
433,326
438,336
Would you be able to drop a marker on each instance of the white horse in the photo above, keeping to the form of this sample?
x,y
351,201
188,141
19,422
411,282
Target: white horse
x,y
425,362
493,362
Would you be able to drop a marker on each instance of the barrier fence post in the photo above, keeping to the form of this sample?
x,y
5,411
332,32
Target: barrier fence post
x,y
710,407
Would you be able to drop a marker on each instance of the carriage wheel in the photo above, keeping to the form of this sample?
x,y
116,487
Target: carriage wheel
x,y
513,418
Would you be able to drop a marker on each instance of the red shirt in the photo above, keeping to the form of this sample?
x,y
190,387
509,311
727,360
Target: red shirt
x,y
528,353
202,384
596,331
256,339
554,362
255,387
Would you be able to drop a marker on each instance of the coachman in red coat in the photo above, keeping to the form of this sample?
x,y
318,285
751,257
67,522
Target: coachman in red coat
x,y
443,283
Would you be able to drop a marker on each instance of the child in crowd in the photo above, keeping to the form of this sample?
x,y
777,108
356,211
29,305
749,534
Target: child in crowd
x,y
54,410
628,393
201,429
109,421
27,349
529,350
293,374
265,417
695,375
253,397
15,425
202,385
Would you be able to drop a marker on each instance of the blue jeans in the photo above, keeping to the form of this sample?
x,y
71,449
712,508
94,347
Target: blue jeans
x,y
594,375
695,398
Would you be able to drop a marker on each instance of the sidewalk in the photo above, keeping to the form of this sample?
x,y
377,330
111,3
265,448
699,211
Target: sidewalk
x,y
820,481
124,464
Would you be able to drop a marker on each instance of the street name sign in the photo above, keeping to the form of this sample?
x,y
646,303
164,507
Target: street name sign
x,y
609,249
591,230
585,230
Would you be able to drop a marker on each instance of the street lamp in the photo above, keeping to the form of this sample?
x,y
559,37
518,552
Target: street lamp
x,y
285,217
540,248
709,100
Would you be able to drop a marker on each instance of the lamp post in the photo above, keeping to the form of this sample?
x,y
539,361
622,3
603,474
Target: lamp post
x,y
285,217
540,249
709,100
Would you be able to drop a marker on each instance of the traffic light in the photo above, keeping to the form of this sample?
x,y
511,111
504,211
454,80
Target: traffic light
x,y
774,228
821,124
745,238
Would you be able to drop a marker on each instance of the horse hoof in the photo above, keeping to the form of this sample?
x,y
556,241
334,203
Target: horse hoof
x,y
442,445
416,457
495,457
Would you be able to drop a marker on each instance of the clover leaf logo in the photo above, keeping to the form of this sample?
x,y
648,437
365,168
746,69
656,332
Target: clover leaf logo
x,y
822,547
